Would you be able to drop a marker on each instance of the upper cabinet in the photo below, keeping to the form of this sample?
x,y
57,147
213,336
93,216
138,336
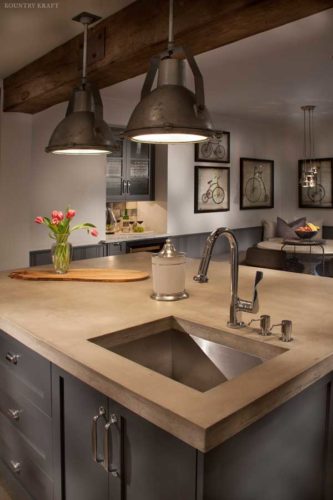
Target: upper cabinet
x,y
129,170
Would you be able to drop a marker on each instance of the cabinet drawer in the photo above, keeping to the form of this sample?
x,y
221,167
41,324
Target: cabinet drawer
x,y
24,372
20,460
34,426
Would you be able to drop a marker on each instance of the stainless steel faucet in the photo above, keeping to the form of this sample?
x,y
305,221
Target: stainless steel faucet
x,y
237,305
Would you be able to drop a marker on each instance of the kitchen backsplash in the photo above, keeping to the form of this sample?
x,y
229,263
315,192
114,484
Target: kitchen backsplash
x,y
153,213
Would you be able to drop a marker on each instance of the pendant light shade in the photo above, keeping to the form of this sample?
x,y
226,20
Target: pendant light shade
x,y
170,113
83,130
309,176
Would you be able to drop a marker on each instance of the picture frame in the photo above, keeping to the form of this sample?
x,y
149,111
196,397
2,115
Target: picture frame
x,y
211,189
214,150
320,196
256,183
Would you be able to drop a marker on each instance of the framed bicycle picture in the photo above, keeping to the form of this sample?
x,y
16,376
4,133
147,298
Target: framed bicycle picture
x,y
214,150
320,195
256,183
211,189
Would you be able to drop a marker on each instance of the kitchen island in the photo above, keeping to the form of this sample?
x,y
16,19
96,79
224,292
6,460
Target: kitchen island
x,y
62,322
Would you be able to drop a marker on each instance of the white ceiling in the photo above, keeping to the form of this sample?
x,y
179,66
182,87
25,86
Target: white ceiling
x,y
270,74
28,33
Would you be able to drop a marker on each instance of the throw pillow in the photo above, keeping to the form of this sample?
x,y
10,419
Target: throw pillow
x,y
286,230
269,227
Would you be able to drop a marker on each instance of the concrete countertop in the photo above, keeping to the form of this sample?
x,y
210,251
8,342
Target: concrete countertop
x,y
57,319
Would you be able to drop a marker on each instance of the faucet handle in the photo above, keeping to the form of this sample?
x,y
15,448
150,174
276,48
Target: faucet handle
x,y
247,305
255,302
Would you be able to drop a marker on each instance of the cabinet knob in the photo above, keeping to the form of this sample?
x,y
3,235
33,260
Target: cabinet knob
x,y
12,358
14,414
16,466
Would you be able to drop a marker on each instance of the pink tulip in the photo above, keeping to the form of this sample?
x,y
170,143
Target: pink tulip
x,y
39,220
94,232
70,214
55,221
57,215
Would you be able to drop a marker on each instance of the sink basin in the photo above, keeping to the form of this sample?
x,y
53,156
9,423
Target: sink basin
x,y
194,355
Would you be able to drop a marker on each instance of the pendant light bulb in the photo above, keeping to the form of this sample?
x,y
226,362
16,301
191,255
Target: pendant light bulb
x,y
83,130
171,113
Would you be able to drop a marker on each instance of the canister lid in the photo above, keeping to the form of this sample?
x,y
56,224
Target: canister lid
x,y
168,251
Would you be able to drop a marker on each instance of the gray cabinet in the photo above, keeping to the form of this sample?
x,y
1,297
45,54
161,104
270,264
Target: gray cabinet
x,y
285,455
116,248
80,252
60,439
81,477
26,437
135,459
129,170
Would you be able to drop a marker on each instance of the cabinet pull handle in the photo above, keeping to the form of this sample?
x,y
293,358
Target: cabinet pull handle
x,y
101,414
124,184
128,187
114,422
14,414
12,358
16,466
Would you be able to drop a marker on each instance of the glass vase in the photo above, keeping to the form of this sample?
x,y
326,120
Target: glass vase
x,y
61,252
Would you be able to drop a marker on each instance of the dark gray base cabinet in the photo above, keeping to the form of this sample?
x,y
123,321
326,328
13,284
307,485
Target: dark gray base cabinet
x,y
71,442
26,427
287,455
144,462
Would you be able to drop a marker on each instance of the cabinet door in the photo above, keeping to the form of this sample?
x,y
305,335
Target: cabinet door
x,y
88,252
83,478
139,171
116,248
155,464
115,169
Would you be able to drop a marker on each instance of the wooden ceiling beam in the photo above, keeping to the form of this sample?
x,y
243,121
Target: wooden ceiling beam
x,y
138,32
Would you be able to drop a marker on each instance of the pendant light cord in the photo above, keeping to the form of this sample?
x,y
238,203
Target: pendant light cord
x,y
171,40
84,62
310,137
304,134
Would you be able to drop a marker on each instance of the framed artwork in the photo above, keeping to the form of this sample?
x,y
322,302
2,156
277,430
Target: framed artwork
x,y
256,183
320,196
211,189
215,150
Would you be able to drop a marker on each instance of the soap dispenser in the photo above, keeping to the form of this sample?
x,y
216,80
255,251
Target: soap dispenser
x,y
168,269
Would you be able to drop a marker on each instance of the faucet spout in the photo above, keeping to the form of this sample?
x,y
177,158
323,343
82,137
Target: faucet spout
x,y
236,304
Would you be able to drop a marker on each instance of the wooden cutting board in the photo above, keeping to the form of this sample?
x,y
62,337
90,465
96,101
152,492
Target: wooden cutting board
x,y
110,275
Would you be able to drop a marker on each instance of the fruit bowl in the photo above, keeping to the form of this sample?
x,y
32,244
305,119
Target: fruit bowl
x,y
306,235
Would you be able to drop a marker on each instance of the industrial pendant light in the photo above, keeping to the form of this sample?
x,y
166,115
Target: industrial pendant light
x,y
170,113
309,174
83,130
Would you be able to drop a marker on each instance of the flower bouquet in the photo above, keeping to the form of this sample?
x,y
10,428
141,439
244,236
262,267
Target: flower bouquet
x,y
59,226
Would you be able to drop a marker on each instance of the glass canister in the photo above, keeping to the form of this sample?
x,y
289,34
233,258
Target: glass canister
x,y
168,269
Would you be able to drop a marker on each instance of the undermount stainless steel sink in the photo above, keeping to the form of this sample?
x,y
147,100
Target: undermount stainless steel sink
x,y
194,355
